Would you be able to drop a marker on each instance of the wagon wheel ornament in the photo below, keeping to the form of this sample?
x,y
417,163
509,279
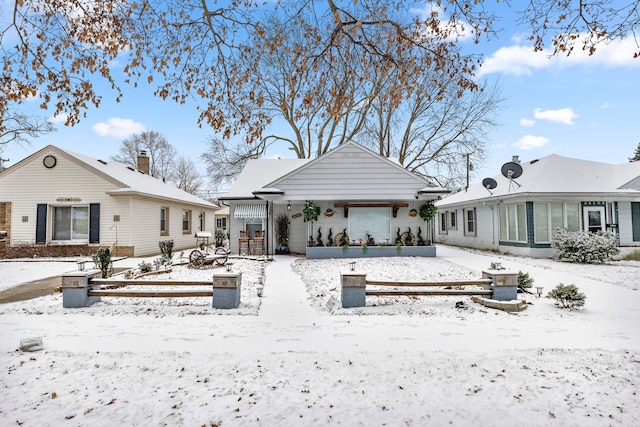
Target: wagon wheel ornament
x,y
222,260
196,259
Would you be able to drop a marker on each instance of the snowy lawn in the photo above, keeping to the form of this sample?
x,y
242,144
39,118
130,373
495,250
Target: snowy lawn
x,y
286,359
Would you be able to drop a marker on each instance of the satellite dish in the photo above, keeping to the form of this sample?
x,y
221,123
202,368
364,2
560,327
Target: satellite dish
x,y
489,183
511,170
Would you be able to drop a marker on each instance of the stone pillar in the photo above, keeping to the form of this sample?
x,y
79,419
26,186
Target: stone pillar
x,y
75,288
226,289
504,286
353,292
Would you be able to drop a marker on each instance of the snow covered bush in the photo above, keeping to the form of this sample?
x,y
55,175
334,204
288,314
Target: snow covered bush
x,y
524,281
568,296
584,246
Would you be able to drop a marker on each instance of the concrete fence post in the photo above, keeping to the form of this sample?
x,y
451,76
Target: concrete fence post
x,y
226,290
76,286
504,286
353,292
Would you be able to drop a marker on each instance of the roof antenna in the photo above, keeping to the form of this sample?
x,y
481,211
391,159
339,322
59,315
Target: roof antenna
x,y
489,184
511,171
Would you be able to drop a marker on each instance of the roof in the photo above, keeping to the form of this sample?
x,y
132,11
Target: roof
x,y
347,172
257,173
126,180
558,175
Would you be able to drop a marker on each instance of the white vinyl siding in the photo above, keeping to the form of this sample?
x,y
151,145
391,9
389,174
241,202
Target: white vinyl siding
x,y
351,173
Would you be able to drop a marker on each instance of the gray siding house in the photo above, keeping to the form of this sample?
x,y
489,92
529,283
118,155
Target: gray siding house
x,y
520,216
358,192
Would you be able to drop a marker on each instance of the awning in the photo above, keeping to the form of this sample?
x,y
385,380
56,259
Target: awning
x,y
250,211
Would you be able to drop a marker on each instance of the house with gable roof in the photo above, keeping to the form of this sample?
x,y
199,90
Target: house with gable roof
x,y
73,204
521,215
359,193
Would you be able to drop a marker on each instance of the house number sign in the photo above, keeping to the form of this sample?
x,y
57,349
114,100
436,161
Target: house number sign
x,y
68,199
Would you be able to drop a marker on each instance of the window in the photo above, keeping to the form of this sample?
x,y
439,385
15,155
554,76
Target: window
x,y
549,217
375,221
443,223
452,222
164,221
513,222
71,223
186,221
469,216
221,223
201,224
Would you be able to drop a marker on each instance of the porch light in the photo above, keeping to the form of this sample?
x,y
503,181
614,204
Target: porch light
x,y
288,206
539,290
352,265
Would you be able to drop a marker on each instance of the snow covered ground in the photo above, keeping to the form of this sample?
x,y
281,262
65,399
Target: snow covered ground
x,y
288,359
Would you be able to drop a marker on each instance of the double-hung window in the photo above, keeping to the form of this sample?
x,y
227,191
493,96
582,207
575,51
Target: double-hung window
x,y
186,221
469,216
164,221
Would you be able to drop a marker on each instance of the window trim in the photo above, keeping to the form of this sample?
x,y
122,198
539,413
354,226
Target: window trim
x,y
516,227
453,219
165,231
188,221
443,222
474,222
71,223
549,227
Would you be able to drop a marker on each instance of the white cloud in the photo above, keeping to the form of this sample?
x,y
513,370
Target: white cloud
x,y
520,59
117,127
529,142
527,122
606,105
60,118
563,115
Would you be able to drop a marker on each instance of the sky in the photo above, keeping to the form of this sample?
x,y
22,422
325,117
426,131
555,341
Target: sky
x,y
582,106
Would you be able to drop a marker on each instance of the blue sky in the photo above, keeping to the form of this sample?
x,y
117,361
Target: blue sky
x,y
581,106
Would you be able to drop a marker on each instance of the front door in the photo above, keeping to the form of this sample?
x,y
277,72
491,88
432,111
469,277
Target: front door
x,y
594,218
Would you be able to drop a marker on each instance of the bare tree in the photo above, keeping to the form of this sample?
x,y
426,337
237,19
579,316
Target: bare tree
x,y
185,175
224,161
431,132
55,49
161,153
20,128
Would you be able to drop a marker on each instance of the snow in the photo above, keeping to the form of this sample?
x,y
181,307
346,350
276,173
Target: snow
x,y
288,359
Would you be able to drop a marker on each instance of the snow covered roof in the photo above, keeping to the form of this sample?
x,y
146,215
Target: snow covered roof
x,y
558,175
259,172
126,180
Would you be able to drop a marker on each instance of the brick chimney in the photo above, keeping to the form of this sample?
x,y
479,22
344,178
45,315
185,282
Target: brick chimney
x,y
143,162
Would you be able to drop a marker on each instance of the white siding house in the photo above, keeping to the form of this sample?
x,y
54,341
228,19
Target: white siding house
x,y
71,202
520,216
356,190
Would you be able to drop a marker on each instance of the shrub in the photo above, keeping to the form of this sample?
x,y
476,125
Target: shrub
x,y
496,266
567,295
102,260
524,281
166,249
585,247
145,267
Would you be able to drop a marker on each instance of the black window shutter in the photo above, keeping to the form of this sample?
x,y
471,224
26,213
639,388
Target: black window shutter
x,y
94,223
41,223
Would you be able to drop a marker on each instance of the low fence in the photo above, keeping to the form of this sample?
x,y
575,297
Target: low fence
x,y
499,285
85,288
